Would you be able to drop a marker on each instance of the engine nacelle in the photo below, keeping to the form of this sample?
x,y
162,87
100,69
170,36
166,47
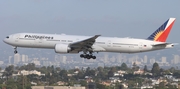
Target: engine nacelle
x,y
62,48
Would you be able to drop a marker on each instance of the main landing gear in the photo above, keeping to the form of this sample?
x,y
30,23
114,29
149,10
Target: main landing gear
x,y
15,50
88,56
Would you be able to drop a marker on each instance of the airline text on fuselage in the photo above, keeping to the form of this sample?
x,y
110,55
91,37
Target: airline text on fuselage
x,y
38,37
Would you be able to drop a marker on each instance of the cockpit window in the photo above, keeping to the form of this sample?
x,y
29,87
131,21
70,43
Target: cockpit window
x,y
7,37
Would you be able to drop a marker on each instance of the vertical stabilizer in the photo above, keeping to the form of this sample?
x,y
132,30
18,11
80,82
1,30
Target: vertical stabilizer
x,y
162,32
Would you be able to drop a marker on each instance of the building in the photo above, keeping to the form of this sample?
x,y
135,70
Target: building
x,y
152,61
145,59
101,65
10,60
36,61
146,87
24,58
63,59
176,59
24,72
119,58
106,57
139,71
164,60
17,58
1,62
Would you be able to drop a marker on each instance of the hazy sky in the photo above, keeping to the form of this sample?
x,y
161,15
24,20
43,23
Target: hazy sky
x,y
116,18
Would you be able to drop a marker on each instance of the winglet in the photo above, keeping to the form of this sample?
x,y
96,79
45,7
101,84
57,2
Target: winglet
x,y
96,36
162,32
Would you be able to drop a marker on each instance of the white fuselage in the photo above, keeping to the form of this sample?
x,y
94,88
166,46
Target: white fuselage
x,y
102,44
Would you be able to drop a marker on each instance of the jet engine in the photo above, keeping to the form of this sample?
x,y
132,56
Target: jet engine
x,y
62,48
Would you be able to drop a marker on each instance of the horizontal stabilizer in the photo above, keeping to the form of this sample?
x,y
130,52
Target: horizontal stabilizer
x,y
161,44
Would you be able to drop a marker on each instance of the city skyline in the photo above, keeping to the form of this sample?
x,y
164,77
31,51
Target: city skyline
x,y
44,58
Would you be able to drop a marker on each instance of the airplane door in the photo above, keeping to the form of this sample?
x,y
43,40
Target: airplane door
x,y
16,37
109,43
140,46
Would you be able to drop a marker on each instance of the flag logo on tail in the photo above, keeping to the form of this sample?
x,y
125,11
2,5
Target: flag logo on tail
x,y
162,32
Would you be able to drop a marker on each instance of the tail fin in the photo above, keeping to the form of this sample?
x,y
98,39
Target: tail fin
x,y
162,32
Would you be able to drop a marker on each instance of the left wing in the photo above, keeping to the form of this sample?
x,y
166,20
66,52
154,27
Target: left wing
x,y
84,44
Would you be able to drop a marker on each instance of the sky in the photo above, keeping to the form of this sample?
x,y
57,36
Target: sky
x,y
113,18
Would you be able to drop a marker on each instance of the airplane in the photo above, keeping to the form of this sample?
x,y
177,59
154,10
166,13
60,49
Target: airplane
x,y
62,43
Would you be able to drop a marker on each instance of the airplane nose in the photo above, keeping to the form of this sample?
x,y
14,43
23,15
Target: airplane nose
x,y
4,41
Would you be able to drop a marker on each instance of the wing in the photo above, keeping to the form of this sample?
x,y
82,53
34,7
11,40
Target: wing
x,y
84,44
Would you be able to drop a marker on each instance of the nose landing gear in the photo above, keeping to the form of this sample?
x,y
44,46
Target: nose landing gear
x,y
15,50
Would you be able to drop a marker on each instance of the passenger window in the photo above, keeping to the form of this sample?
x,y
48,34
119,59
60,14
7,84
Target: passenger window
x,y
63,40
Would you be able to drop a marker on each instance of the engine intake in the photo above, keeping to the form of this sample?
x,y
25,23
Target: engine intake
x,y
62,48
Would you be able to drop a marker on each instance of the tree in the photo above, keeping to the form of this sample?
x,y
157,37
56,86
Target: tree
x,y
110,73
155,69
100,69
172,69
113,69
161,70
124,66
43,70
100,86
135,67
58,69
23,82
90,72
102,75
80,75
145,69
162,84
121,86
11,84
9,71
30,66
63,74
33,77
83,83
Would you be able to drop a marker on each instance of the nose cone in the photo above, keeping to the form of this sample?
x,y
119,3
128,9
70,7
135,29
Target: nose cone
x,y
5,40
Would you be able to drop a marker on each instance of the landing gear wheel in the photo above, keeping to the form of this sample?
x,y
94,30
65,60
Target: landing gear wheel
x,y
94,57
81,55
15,52
85,56
88,56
